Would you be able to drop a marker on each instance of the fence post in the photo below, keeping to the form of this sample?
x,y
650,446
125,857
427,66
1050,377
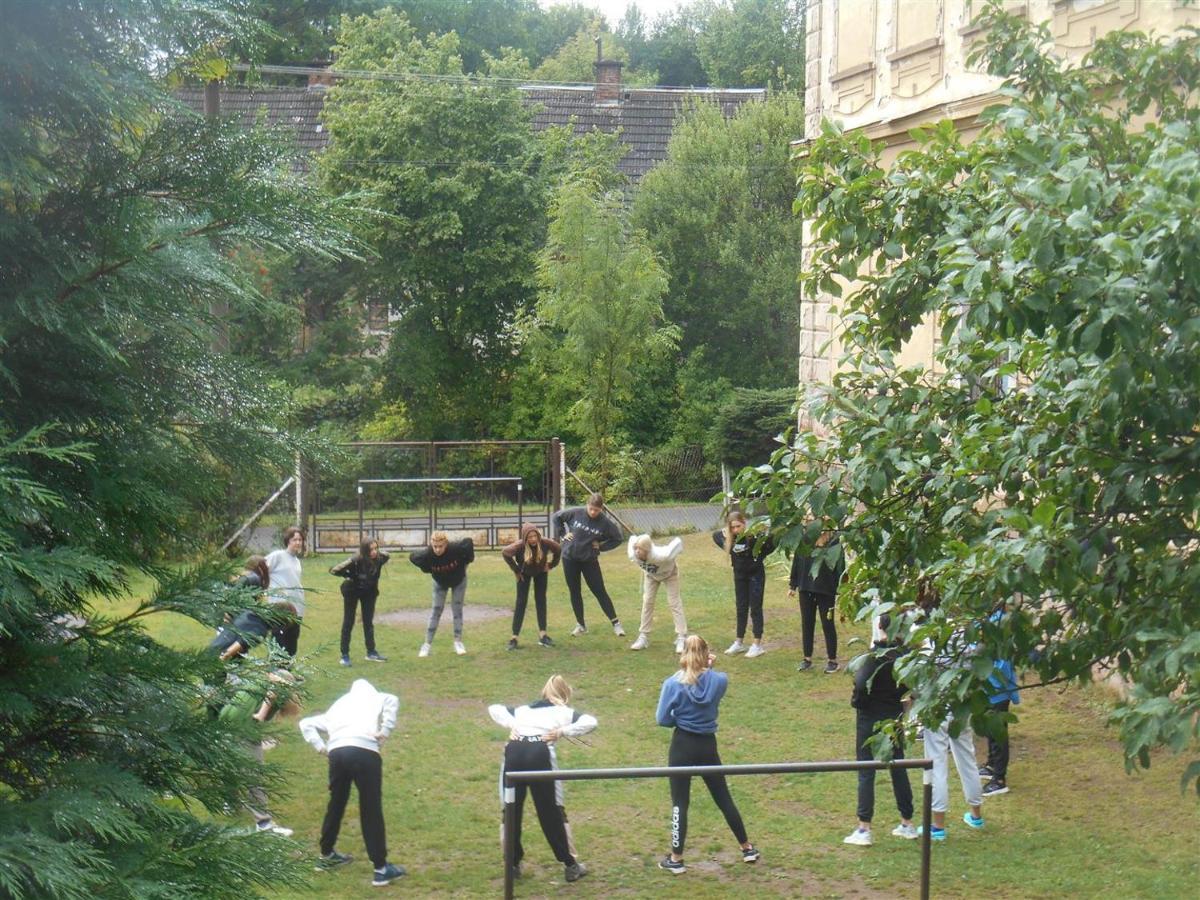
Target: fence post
x,y
926,841
726,488
553,462
360,514
509,836
520,509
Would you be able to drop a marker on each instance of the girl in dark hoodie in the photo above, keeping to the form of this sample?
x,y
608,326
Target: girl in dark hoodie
x,y
531,558
689,702
585,532
361,585
746,556
817,586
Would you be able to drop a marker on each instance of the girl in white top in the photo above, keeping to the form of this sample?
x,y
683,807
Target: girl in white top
x,y
532,732
285,587
658,567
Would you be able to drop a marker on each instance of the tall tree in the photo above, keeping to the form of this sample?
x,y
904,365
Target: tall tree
x,y
718,210
1047,466
120,425
599,313
753,43
575,60
455,169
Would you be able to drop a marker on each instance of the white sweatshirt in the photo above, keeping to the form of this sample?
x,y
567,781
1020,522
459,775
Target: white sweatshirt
x,y
285,580
541,718
659,563
357,719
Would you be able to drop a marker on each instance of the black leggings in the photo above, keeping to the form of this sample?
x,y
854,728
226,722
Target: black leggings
x,y
364,769
591,573
690,749
809,604
539,601
531,756
350,600
865,722
748,596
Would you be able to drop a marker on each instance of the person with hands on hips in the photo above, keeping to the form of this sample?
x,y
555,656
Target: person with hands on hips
x,y
585,533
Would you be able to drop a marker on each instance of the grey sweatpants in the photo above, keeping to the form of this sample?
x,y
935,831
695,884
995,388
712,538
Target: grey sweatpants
x,y
457,593
939,747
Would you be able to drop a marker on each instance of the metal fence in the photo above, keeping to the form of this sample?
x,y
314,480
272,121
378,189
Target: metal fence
x,y
511,779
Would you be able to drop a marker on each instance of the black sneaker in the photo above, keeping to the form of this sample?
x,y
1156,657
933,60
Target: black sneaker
x,y
804,666
374,656
332,861
575,871
672,865
346,661
750,854
831,667
545,641
387,875
986,773
995,787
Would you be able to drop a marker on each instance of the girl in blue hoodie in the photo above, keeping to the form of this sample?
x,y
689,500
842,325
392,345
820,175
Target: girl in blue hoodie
x,y
689,702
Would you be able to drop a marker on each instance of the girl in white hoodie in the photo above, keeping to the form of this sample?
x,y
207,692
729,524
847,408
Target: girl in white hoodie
x,y
658,567
350,734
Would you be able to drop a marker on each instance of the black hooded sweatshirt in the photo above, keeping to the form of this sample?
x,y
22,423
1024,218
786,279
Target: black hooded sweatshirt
x,y
450,568
585,529
746,560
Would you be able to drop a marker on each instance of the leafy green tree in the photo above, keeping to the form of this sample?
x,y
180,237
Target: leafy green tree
x,y
598,315
1048,462
718,211
670,47
455,169
574,61
120,426
753,43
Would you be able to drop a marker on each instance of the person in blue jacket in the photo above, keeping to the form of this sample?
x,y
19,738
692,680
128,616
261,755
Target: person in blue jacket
x,y
1004,680
688,703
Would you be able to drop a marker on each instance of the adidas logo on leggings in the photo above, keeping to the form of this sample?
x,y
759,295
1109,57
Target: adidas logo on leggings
x,y
674,826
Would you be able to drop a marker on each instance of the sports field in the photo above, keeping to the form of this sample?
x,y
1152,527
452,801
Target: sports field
x,y
1074,824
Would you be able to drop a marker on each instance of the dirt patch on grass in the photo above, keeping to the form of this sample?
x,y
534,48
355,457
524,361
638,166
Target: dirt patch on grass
x,y
472,612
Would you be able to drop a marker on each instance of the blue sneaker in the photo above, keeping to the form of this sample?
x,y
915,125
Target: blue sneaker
x,y
346,661
935,834
674,866
972,820
387,875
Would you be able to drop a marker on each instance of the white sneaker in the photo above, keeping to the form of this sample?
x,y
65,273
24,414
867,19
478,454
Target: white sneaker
x,y
908,832
269,825
756,649
618,630
641,643
679,639
459,648
424,651
736,647
578,630
858,837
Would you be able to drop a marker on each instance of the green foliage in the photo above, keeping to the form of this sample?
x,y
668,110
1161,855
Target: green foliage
x,y
120,428
1049,461
599,313
753,43
667,46
455,169
747,425
718,211
574,61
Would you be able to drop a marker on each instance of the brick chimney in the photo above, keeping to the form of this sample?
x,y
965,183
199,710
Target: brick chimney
x,y
608,79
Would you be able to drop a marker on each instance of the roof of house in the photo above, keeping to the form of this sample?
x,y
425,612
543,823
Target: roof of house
x,y
642,117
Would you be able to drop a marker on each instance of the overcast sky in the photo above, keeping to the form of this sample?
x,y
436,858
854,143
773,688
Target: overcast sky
x,y
614,9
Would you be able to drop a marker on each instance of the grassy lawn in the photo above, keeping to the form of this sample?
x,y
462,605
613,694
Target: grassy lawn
x,y
1075,824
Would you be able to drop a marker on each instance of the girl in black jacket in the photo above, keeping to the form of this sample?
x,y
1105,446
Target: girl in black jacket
x,y
585,532
817,592
746,556
530,559
361,585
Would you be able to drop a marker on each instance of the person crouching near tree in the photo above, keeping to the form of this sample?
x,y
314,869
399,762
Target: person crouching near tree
x,y
688,703
533,732
658,568
350,734
585,532
531,558
817,584
360,585
746,555
447,562
877,698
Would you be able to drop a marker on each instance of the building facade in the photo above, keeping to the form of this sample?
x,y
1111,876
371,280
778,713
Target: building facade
x,y
885,66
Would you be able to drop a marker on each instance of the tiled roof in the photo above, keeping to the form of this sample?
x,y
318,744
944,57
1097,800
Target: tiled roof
x,y
644,117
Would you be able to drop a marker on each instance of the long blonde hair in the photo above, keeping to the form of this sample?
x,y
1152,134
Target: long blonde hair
x,y
538,556
693,662
557,691
735,516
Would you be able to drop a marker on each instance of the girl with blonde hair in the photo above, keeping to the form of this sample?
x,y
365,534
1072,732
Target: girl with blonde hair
x,y
532,732
746,555
688,703
530,558
658,567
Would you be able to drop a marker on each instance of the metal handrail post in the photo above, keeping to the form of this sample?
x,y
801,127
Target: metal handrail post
x,y
510,836
926,840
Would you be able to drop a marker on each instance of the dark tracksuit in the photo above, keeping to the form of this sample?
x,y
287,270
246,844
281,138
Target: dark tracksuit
x,y
749,579
360,585
876,698
527,573
580,558
817,592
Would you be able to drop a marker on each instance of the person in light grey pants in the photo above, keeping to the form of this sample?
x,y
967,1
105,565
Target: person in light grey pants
x,y
457,593
939,747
